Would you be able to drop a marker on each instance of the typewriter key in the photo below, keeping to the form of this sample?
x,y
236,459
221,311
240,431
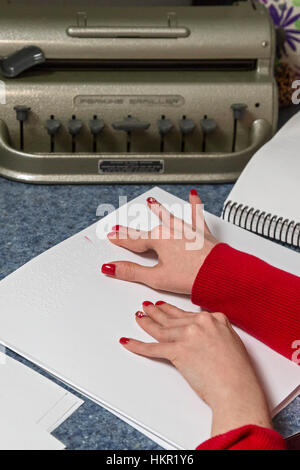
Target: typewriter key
x,y
186,126
96,127
207,126
164,127
238,114
74,128
129,125
22,116
52,126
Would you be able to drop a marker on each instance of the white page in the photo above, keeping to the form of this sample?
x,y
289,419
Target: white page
x,y
69,318
271,180
19,434
36,397
62,410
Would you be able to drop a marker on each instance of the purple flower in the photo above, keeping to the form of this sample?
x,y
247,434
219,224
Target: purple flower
x,y
283,19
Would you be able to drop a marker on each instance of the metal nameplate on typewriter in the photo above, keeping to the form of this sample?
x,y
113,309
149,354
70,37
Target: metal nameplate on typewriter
x,y
131,166
100,94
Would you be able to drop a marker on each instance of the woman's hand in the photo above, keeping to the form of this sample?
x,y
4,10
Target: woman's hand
x,y
181,249
211,357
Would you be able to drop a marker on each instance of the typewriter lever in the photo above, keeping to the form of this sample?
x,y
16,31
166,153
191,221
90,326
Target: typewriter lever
x,y
95,168
21,60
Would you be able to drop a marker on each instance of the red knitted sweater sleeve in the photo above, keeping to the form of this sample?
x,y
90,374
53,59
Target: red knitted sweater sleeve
x,y
262,300
246,438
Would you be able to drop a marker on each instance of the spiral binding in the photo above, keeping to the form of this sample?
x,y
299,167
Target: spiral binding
x,y
262,223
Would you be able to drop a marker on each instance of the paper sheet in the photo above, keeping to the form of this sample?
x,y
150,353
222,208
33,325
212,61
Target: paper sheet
x,y
19,434
271,180
69,318
35,396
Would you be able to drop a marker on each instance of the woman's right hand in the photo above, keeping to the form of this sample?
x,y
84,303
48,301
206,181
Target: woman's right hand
x,y
181,249
211,357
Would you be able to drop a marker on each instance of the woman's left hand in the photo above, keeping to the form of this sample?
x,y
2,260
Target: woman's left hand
x,y
211,357
181,249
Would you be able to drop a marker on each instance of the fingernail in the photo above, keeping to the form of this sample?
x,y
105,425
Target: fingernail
x,y
116,228
193,192
160,302
124,340
140,314
111,234
109,269
147,303
152,200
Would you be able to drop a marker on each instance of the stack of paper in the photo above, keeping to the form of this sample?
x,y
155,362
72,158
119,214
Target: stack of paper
x,y
60,312
31,406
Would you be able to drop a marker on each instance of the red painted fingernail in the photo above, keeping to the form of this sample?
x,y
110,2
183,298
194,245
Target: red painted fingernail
x,y
124,340
160,302
111,234
109,269
147,303
140,314
193,192
151,200
116,228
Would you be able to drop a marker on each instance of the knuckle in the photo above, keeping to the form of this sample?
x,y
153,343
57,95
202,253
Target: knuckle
x,y
129,271
220,317
203,318
159,334
154,283
191,330
155,279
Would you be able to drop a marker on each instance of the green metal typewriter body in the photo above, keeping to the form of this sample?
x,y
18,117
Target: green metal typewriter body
x,y
93,94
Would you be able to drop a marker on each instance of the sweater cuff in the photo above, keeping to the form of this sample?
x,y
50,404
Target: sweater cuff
x,y
245,438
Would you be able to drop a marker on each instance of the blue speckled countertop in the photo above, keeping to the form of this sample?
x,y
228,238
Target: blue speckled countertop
x,y
32,219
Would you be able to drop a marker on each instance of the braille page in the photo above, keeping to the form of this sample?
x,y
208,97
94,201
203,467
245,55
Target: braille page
x,y
59,311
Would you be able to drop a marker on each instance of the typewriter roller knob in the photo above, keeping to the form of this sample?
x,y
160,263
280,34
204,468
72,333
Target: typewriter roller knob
x,y
164,127
96,127
52,125
207,125
186,127
239,110
74,128
22,116
129,125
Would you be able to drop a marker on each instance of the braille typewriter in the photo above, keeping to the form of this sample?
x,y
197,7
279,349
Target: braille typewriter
x,y
91,93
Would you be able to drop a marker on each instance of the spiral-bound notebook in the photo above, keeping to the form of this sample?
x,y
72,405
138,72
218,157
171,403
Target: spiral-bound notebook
x,y
266,197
